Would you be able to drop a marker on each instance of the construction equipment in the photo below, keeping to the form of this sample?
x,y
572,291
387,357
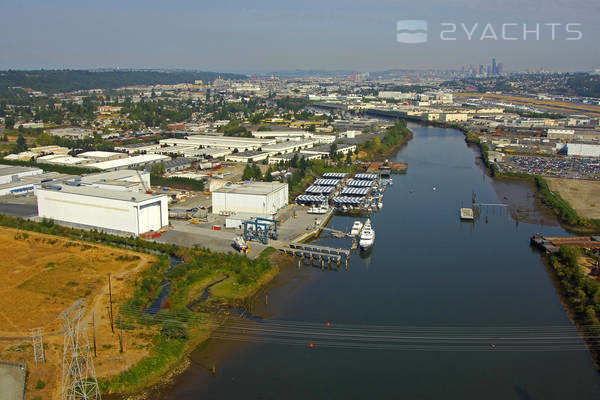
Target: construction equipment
x,y
260,229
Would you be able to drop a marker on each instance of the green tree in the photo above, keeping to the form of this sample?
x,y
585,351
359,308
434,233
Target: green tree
x,y
248,173
158,169
21,144
174,329
269,175
333,150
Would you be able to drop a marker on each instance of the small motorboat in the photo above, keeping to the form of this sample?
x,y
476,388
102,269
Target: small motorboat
x,y
240,244
356,228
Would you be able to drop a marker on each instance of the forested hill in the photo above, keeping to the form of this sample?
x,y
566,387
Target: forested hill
x,y
53,81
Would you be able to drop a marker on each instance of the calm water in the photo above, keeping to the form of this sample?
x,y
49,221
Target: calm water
x,y
427,269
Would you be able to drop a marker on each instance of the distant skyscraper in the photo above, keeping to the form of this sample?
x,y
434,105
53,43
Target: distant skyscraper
x,y
494,68
500,68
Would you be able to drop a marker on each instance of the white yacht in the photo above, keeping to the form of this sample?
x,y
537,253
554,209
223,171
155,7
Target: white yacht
x,y
380,204
367,236
355,231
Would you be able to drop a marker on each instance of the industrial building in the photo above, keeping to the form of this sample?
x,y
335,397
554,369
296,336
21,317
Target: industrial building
x,y
288,157
125,180
248,156
97,156
130,162
583,150
109,210
71,132
27,184
256,198
288,147
10,173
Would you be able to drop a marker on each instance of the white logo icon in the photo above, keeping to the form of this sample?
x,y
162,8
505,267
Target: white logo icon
x,y
411,31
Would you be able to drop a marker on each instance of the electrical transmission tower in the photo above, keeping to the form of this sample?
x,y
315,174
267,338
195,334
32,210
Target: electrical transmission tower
x,y
38,345
78,375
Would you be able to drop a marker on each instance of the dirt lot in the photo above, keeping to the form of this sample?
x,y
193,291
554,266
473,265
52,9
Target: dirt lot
x,y
44,274
583,195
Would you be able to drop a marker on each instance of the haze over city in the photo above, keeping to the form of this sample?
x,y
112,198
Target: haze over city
x,y
262,36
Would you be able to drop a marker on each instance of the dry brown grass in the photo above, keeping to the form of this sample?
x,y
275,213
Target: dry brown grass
x,y
582,195
44,274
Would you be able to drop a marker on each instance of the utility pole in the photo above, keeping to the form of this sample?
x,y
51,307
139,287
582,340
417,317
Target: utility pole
x,y
78,374
94,331
120,334
112,328
38,345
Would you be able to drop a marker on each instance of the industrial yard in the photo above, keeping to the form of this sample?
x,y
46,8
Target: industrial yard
x,y
46,275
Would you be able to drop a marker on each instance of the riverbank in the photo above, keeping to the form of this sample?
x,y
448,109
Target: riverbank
x,y
578,292
177,330
579,295
553,201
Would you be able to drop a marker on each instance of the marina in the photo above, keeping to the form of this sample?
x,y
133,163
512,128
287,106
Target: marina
x,y
403,283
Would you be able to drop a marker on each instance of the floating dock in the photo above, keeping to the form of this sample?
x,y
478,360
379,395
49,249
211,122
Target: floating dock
x,y
466,214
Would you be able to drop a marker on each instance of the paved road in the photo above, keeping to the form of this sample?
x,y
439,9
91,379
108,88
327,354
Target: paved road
x,y
12,382
18,210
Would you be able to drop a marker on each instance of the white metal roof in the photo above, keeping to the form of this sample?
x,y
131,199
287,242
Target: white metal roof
x,y
125,162
137,197
253,188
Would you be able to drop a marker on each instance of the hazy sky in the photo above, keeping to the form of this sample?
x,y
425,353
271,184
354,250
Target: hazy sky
x,y
236,35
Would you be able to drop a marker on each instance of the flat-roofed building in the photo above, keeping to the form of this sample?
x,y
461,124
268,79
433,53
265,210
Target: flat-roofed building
x,y
252,198
288,147
109,210
248,156
130,162
10,173
71,133
93,156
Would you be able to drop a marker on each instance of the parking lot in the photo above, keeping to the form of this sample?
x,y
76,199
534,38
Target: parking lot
x,y
559,167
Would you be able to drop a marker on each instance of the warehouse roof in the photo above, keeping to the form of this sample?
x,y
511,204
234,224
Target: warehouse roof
x,y
254,188
132,197
124,162
13,170
99,154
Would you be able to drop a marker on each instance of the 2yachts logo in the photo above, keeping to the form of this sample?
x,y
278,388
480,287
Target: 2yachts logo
x,y
415,31
411,31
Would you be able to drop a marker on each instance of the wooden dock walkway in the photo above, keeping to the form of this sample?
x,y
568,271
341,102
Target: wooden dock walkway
x,y
551,244
320,254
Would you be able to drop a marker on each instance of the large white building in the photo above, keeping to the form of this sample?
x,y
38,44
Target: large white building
x,y
9,173
257,198
129,162
109,210
583,150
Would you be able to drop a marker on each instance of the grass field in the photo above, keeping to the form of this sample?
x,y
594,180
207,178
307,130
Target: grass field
x,y
582,195
44,274
549,105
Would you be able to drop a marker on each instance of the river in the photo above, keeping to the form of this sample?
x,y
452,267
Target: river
x,y
427,269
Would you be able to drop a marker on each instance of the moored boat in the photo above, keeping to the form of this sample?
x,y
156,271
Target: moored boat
x,y
356,228
367,236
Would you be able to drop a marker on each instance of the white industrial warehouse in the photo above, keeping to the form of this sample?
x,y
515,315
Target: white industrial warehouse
x,y
112,210
256,198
